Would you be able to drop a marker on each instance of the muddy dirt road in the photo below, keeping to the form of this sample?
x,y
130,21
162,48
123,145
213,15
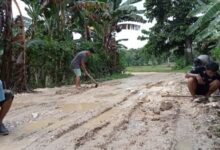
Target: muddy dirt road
x,y
119,115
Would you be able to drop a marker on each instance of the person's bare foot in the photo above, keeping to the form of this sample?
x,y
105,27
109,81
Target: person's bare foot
x,y
193,98
201,99
78,87
213,99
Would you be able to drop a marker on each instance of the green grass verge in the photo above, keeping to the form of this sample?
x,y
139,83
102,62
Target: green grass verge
x,y
157,68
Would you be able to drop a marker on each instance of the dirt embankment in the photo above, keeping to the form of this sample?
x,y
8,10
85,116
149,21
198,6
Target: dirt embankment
x,y
121,114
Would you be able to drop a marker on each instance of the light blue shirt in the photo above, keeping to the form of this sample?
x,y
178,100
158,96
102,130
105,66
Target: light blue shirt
x,y
2,93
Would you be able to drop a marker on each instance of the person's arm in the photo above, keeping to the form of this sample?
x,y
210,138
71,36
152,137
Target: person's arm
x,y
194,75
189,75
83,65
86,72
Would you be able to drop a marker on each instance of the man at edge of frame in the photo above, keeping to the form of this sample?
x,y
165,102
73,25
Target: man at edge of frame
x,y
203,81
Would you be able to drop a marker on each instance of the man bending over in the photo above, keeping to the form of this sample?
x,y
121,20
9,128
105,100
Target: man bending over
x,y
78,63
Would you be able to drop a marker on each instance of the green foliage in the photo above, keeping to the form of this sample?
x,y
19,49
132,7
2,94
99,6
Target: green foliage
x,y
169,31
122,61
54,65
50,45
97,64
216,52
157,68
180,63
140,57
211,13
158,10
52,42
207,27
134,57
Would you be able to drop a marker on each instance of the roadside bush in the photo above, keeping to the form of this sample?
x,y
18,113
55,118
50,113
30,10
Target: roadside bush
x,y
180,63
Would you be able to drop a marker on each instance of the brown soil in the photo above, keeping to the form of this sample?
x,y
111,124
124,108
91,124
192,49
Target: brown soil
x,y
120,114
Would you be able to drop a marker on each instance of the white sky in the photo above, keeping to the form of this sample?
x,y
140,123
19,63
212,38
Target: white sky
x,y
15,10
131,35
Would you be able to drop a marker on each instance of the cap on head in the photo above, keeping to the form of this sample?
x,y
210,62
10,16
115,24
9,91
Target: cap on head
x,y
197,62
213,66
91,50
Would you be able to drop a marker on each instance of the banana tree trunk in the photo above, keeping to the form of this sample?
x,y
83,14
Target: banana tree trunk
x,y
20,84
188,51
6,68
87,32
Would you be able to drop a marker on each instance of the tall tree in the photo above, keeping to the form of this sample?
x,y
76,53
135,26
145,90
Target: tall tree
x,y
171,23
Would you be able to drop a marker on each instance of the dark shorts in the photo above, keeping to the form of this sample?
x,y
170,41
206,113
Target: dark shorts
x,y
8,96
202,89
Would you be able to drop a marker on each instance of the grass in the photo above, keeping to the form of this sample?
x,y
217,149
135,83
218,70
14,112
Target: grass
x,y
156,68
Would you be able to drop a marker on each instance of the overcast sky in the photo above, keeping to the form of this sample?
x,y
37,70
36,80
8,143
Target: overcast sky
x,y
15,10
131,35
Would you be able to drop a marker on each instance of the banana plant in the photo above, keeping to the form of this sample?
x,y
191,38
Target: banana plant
x,y
207,27
116,13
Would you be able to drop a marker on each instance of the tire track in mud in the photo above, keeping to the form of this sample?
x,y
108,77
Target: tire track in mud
x,y
33,106
43,97
104,111
121,125
181,124
70,123
89,135
123,116
120,130
50,136
93,126
182,128
151,84
185,135
21,117
81,140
